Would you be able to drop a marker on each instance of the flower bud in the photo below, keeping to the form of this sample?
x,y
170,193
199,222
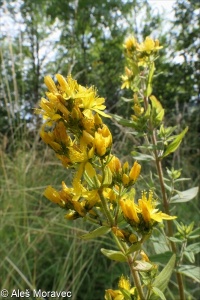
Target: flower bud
x,y
125,179
133,238
114,164
102,140
135,171
50,84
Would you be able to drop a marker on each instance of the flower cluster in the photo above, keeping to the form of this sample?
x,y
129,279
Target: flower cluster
x,y
102,190
139,71
141,51
139,56
124,291
144,215
71,129
74,129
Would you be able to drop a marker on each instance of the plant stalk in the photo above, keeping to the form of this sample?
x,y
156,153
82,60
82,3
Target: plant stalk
x,y
167,211
135,275
165,200
105,208
136,279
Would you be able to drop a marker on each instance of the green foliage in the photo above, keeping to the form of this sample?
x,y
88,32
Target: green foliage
x,y
32,234
163,278
114,255
96,233
88,42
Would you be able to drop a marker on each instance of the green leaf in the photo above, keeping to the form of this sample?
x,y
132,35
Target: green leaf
x,y
126,99
195,248
142,266
190,271
189,256
122,121
185,196
107,176
156,104
141,156
149,90
175,144
126,294
149,83
158,292
161,258
159,242
182,179
133,248
160,115
134,68
96,233
163,278
194,234
175,240
114,255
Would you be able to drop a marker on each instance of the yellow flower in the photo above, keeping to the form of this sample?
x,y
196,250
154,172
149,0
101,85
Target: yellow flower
x,y
69,97
118,232
117,294
72,215
51,194
126,82
124,283
129,210
80,153
135,171
133,238
114,164
50,84
125,167
148,210
102,140
149,45
114,295
68,87
91,197
58,140
48,138
130,43
90,101
110,194
125,179
87,138
79,207
62,198
88,123
138,110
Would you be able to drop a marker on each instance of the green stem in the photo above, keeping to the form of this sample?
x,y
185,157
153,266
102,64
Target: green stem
x,y
165,200
135,274
105,208
136,279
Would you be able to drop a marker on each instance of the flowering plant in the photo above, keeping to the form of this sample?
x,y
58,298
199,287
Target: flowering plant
x,y
103,189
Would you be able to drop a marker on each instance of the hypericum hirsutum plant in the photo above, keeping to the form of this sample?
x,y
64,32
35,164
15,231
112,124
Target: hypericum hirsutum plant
x,y
103,190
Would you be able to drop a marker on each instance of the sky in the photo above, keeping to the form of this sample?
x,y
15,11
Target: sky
x,y
165,6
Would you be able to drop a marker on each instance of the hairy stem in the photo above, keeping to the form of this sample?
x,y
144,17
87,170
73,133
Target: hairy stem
x,y
136,278
105,208
165,200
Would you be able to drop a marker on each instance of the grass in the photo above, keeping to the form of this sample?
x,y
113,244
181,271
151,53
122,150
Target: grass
x,y
39,248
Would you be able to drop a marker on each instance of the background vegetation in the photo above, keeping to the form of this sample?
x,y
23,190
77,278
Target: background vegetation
x,y
38,249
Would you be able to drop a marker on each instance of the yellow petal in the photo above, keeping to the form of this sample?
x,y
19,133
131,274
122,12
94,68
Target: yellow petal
x,y
50,84
158,217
